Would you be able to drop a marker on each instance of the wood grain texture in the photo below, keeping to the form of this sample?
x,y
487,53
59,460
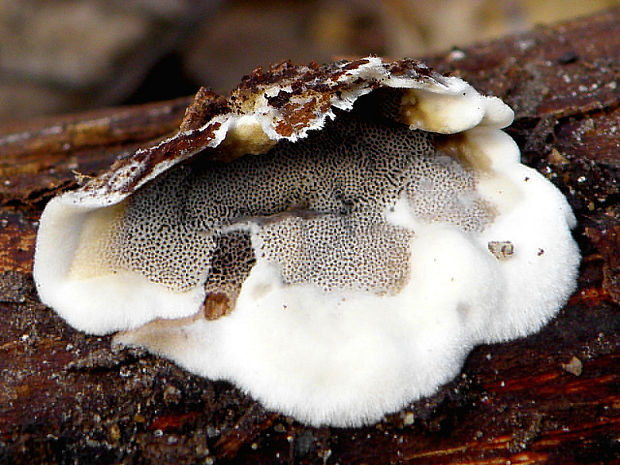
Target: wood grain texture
x,y
552,398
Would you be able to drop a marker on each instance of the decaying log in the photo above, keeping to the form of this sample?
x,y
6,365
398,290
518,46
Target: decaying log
x,y
551,398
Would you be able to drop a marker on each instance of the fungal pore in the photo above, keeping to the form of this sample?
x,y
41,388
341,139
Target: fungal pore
x,y
331,239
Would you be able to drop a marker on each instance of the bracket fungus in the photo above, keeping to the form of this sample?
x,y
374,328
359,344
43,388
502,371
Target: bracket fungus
x,y
332,239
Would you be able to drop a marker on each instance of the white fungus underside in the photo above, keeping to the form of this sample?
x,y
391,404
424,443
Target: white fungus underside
x,y
345,358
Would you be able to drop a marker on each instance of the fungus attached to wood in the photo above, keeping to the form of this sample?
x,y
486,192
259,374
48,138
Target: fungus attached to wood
x,y
332,239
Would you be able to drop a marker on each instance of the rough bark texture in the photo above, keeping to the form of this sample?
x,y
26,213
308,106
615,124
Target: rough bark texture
x,y
551,398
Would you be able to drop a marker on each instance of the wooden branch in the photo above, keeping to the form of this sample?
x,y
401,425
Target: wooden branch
x,y
551,398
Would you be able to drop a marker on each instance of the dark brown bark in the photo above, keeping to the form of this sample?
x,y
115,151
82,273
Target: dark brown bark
x,y
551,398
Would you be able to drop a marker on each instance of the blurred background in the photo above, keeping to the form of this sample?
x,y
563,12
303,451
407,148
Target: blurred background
x,y
70,55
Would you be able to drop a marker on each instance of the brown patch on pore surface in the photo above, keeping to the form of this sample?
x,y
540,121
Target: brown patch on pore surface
x,y
233,259
457,147
216,305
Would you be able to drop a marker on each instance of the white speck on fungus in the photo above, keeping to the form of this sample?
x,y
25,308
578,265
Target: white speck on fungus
x,y
333,240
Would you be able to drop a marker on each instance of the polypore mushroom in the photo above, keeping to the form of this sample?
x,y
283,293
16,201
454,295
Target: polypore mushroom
x,y
333,240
